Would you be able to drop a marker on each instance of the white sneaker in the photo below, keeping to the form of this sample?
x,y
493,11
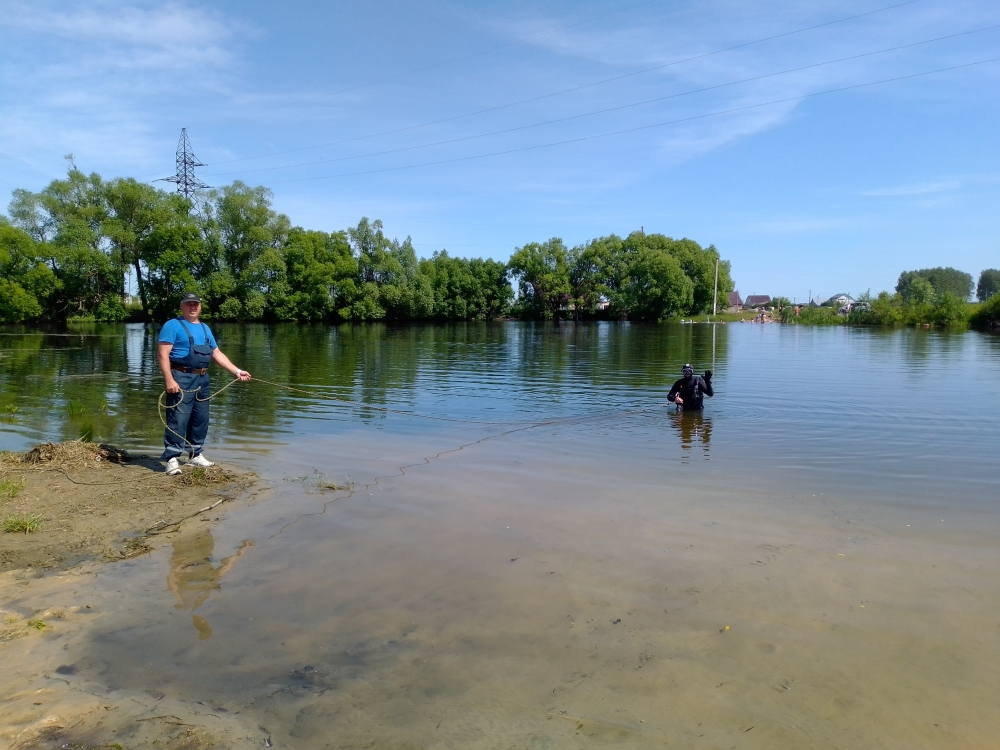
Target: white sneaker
x,y
173,467
201,461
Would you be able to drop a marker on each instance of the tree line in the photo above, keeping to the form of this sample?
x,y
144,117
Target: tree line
x,y
932,296
71,250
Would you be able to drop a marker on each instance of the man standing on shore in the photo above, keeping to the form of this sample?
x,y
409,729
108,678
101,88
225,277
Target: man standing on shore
x,y
186,346
689,392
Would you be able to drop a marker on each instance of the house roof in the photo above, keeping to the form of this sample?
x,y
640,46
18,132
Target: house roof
x,y
734,299
758,299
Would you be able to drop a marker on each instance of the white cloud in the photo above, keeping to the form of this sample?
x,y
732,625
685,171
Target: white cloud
x,y
168,36
920,188
648,36
92,78
931,187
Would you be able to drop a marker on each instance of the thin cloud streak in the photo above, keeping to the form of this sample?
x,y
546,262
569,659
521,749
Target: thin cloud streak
x,y
947,184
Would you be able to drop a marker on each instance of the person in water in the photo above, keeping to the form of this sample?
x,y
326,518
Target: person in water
x,y
689,392
186,346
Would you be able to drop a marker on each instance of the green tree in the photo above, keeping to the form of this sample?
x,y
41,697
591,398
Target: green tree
x,y
174,254
391,285
244,237
941,280
698,265
22,264
657,286
886,309
543,275
592,273
987,317
779,303
26,283
68,217
17,304
950,310
467,289
321,276
989,284
135,212
917,291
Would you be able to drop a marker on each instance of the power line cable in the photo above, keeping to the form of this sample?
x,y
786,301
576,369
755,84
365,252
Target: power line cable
x,y
435,65
612,109
574,88
642,127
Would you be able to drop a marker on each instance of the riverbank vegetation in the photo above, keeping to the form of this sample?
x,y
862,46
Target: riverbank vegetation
x,y
930,296
76,248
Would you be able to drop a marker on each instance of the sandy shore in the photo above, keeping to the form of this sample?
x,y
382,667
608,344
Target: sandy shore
x,y
94,501
91,504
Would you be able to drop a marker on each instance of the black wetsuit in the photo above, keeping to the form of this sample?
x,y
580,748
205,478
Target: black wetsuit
x,y
692,390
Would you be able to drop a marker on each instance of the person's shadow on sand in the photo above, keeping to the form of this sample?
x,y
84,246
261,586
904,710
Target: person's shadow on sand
x,y
193,578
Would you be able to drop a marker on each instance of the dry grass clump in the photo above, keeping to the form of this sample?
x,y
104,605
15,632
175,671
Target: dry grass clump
x,y
74,453
197,477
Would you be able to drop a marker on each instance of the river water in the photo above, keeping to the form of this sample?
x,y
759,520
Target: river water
x,y
811,562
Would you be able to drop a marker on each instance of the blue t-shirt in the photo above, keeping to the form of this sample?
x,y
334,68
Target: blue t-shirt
x,y
175,333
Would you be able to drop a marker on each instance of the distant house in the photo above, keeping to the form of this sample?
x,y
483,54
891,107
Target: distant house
x,y
735,302
839,300
757,300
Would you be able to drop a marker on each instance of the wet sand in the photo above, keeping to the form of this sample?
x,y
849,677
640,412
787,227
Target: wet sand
x,y
95,501
496,599
96,504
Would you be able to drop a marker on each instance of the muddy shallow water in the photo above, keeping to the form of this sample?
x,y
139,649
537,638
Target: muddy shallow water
x,y
811,563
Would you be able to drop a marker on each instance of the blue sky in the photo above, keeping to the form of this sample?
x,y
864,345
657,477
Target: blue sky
x,y
829,193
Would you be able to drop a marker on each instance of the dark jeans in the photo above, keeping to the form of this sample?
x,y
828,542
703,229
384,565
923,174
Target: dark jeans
x,y
187,416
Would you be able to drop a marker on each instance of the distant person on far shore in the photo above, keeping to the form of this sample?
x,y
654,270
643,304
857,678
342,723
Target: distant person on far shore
x,y
689,392
186,346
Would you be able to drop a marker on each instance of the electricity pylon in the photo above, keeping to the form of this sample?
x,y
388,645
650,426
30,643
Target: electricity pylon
x,y
187,182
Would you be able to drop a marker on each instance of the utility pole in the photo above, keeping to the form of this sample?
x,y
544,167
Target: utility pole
x,y
187,182
715,296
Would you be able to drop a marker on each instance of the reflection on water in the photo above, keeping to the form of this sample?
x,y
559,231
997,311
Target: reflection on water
x,y
104,380
193,578
814,400
828,579
693,426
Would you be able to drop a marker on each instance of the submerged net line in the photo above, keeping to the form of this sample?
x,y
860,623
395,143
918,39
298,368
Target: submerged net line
x,y
162,406
351,490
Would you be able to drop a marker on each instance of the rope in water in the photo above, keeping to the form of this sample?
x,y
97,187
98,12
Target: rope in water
x,y
161,406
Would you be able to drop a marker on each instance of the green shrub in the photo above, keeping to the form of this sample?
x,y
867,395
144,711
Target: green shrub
x,y
111,310
886,310
17,304
988,314
231,309
812,316
950,310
